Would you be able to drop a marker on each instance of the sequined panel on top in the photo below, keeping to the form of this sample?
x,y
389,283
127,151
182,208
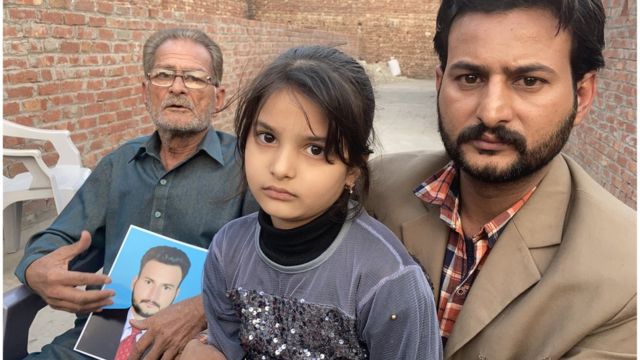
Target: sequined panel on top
x,y
281,328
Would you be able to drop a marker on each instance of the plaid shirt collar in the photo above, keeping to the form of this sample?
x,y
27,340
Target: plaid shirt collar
x,y
442,189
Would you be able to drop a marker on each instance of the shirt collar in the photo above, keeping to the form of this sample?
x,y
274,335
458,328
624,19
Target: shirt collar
x,y
126,329
210,145
443,189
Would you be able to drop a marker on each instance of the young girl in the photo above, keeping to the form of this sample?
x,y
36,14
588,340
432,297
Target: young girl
x,y
311,275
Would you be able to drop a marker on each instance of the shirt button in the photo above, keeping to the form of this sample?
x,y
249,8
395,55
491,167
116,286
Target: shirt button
x,y
461,291
157,214
163,181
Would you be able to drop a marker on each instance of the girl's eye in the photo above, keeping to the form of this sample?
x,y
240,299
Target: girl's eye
x,y
315,150
266,138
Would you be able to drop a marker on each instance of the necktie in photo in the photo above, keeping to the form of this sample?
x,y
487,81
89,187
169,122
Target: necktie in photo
x,y
126,345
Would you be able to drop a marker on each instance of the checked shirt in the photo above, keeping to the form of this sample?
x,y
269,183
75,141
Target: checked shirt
x,y
464,255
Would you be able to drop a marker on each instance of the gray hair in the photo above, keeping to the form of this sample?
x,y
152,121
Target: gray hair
x,y
158,38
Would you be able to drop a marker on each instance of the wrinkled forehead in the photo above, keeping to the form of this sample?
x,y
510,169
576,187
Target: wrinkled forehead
x,y
182,54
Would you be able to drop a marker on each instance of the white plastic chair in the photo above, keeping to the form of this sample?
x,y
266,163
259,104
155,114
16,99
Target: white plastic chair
x,y
59,182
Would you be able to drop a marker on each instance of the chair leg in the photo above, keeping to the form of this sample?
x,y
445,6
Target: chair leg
x,y
12,217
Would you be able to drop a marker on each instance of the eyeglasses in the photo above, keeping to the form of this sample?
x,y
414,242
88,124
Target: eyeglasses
x,y
195,79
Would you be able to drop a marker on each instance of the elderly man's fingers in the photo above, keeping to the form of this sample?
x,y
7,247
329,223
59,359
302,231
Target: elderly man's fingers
x,y
77,278
141,346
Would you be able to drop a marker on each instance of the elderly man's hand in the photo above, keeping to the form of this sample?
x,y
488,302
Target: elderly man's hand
x,y
49,277
169,330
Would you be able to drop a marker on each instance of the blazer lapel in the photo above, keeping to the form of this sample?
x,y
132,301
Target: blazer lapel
x,y
508,271
426,238
511,267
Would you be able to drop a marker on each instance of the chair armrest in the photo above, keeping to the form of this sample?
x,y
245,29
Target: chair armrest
x,y
20,306
32,160
60,139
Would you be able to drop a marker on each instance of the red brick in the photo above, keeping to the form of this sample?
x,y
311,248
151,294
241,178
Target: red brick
x,y
105,7
97,21
51,116
10,108
32,105
48,89
9,31
62,4
84,98
62,100
51,17
85,5
21,14
14,63
92,109
70,47
87,123
19,77
75,19
19,92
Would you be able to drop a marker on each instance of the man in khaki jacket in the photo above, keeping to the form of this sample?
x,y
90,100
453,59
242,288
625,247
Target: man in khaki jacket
x,y
529,257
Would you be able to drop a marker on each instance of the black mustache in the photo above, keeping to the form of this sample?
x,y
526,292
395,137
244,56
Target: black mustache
x,y
501,133
150,301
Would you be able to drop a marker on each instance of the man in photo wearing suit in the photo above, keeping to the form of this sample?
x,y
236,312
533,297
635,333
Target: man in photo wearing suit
x,y
529,257
108,333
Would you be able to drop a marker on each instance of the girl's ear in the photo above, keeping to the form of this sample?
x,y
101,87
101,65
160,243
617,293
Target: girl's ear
x,y
352,177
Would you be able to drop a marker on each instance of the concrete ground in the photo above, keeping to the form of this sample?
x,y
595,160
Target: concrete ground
x,y
405,120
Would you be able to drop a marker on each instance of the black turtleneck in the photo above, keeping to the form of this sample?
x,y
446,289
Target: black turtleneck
x,y
289,247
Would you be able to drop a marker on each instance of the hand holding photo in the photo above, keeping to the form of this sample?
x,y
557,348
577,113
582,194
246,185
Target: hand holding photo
x,y
149,273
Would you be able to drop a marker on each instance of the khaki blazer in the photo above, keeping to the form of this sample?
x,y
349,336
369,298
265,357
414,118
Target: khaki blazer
x,y
560,281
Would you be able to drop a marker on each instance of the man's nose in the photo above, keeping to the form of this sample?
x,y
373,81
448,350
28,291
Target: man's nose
x,y
495,103
152,292
178,86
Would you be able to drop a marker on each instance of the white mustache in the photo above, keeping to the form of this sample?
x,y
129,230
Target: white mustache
x,y
177,101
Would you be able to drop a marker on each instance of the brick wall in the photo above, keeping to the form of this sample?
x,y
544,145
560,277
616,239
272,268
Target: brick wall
x,y
605,143
77,65
232,8
403,29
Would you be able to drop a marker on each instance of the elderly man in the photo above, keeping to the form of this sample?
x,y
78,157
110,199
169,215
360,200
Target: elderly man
x,y
182,181
529,257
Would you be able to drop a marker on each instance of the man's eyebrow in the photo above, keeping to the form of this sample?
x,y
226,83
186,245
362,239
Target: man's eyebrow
x,y
529,68
174,68
468,66
510,71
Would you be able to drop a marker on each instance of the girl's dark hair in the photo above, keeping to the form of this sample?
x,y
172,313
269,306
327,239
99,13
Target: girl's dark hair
x,y
339,85
583,19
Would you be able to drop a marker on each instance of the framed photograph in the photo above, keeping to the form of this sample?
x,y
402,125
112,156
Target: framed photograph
x,y
150,272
